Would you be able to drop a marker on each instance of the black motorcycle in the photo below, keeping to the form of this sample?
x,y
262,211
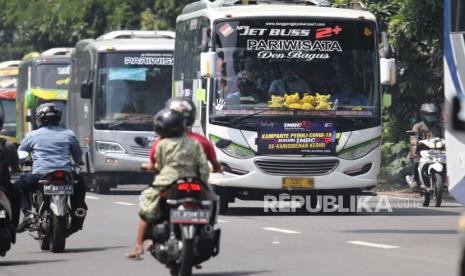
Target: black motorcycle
x,y
186,237
51,209
7,230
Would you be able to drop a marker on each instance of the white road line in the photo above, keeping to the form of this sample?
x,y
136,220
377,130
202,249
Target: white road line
x,y
124,203
222,220
375,245
92,197
280,230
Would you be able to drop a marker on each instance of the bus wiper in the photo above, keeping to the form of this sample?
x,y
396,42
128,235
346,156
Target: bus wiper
x,y
237,120
127,121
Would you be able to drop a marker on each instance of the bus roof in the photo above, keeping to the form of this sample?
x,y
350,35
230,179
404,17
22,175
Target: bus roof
x,y
130,44
9,64
274,10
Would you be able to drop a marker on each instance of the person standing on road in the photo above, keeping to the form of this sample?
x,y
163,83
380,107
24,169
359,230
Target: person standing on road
x,y
51,147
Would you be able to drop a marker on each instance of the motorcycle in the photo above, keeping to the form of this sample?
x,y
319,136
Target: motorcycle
x,y
7,230
51,210
431,170
186,237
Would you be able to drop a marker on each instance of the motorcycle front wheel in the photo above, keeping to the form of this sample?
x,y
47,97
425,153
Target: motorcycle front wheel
x,y
438,189
58,234
185,267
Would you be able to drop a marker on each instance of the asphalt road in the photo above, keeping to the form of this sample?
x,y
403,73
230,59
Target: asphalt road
x,y
407,241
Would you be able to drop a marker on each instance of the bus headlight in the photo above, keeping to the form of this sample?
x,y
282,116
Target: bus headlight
x,y
360,150
104,147
234,150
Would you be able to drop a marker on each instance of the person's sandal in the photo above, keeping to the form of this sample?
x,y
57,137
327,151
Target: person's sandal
x,y
135,256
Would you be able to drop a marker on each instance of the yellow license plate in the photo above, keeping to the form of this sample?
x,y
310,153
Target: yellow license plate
x,y
297,182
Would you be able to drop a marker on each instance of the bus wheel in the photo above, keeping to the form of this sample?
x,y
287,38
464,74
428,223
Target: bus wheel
x,y
102,187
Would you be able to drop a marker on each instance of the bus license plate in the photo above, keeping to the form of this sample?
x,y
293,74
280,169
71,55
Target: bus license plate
x,y
58,189
298,183
190,216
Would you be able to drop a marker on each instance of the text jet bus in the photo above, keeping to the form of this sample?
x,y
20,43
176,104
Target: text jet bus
x,y
295,87
119,81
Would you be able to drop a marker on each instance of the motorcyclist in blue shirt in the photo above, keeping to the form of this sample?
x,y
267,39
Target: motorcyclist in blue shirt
x,y
51,147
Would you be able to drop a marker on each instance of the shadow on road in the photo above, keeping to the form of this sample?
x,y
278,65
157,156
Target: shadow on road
x,y
92,249
257,211
405,231
28,262
233,273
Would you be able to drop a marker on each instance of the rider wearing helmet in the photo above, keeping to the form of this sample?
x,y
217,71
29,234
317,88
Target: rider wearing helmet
x,y
427,128
188,108
9,161
177,156
50,147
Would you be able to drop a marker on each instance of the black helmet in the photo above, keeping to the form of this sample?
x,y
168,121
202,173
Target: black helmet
x,y
184,105
428,112
169,123
48,114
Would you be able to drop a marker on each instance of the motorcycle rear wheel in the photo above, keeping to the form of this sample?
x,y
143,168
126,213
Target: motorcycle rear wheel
x,y
187,258
438,189
58,234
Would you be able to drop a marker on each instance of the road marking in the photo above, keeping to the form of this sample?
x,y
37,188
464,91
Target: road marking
x,y
375,245
124,203
92,197
280,230
222,220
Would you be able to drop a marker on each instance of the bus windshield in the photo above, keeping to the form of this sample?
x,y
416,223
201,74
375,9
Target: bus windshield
x,y
52,76
132,87
288,67
8,82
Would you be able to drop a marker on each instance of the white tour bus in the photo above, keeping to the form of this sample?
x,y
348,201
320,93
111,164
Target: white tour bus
x,y
118,82
454,87
292,87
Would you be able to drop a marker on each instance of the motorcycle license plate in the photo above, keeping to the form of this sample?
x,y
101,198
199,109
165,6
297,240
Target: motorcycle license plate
x,y
58,189
190,216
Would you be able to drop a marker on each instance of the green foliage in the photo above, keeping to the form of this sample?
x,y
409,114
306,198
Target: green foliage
x,y
27,25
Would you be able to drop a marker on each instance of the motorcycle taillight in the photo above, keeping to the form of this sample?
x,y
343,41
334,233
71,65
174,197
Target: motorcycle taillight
x,y
187,187
59,177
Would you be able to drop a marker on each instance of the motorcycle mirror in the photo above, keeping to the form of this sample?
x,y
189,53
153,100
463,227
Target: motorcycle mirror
x,y
22,154
223,143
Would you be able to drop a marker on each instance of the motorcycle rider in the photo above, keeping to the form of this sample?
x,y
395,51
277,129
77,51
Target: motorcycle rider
x,y
51,147
9,161
428,127
177,156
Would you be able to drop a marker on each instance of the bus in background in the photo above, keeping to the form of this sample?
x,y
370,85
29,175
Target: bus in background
x,y
454,87
8,85
42,78
293,87
118,82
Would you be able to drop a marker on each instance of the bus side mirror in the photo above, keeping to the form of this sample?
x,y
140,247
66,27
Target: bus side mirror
x,y
387,71
205,40
86,90
207,64
387,63
458,114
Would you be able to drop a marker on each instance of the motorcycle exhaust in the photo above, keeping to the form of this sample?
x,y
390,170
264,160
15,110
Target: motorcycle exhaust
x,y
80,212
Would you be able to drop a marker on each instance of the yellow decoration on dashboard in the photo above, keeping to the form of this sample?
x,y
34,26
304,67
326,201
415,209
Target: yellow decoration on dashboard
x,y
292,99
276,102
323,102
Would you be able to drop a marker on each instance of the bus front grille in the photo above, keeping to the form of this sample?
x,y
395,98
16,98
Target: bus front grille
x,y
141,152
297,167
